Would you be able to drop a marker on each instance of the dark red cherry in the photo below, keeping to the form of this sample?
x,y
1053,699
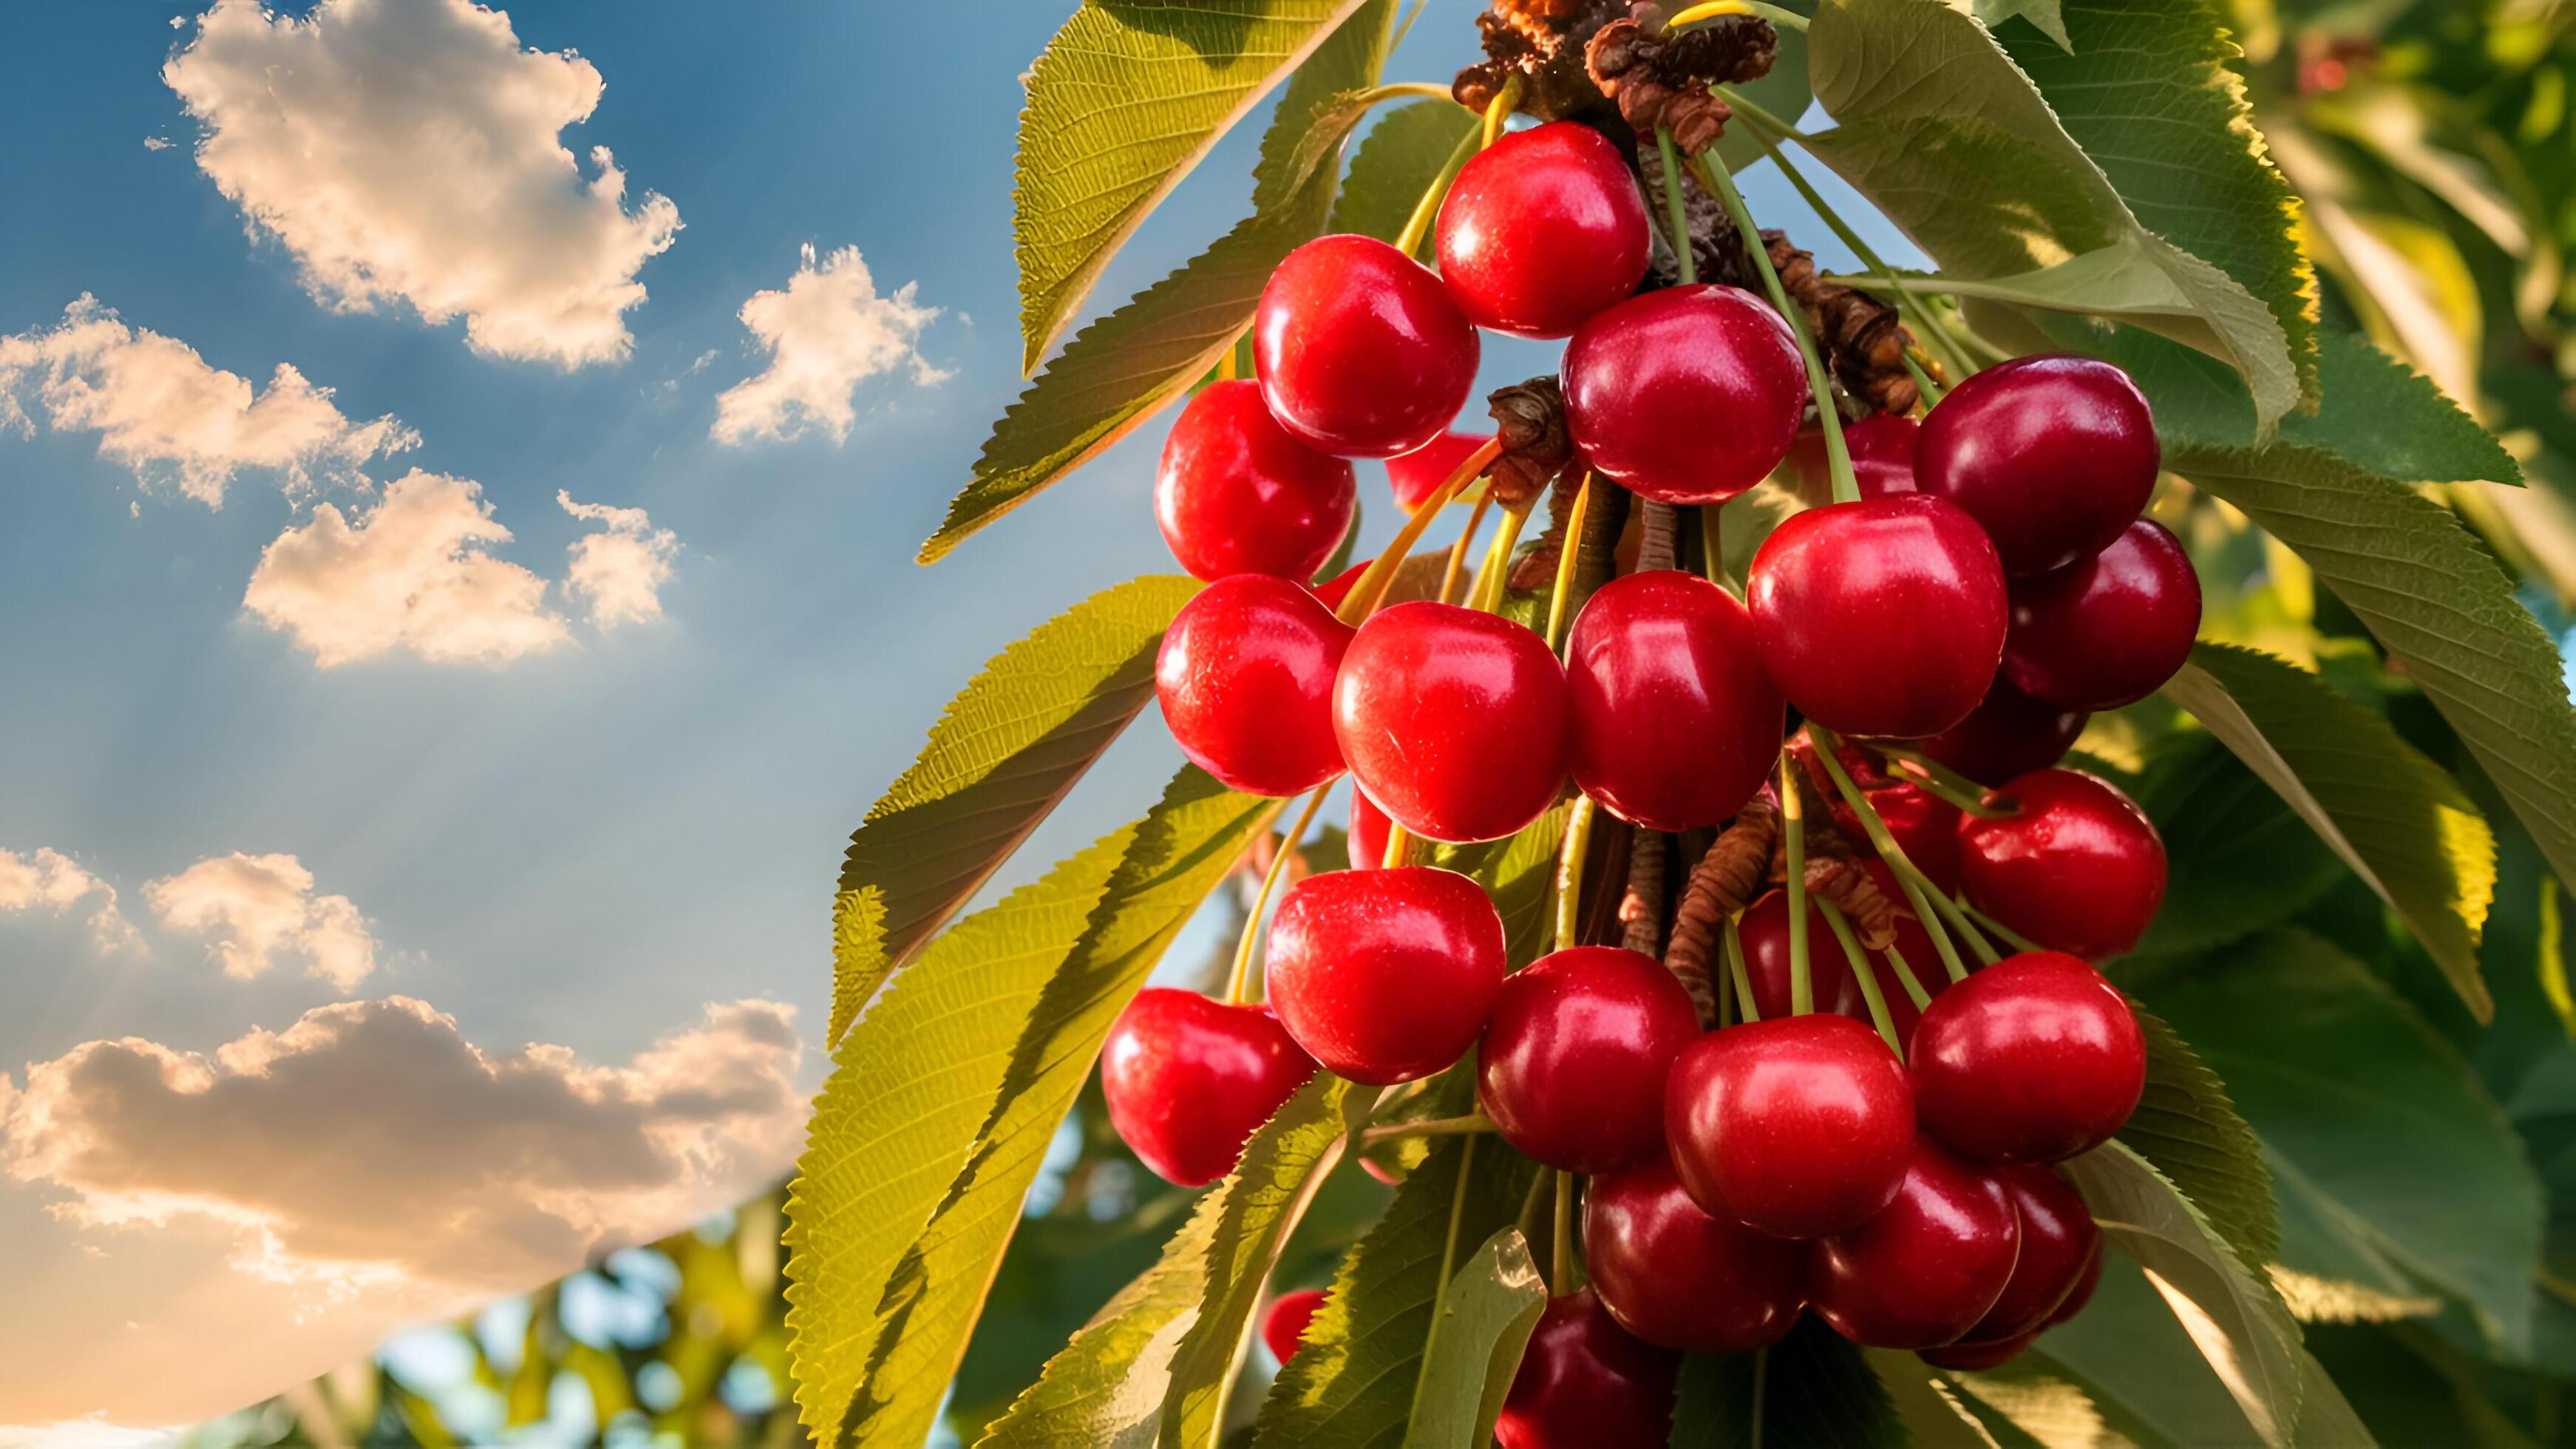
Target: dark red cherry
x,y
1285,1324
1586,1383
1245,678
1884,617
1921,1273
1453,721
1970,1357
2058,1243
1882,457
1418,474
2052,454
2086,1280
1765,928
1675,724
1690,395
2079,869
1237,495
2008,734
2033,1059
1360,350
1385,975
2105,631
1574,1060
1799,1125
1674,1275
1542,229
1368,833
1189,1079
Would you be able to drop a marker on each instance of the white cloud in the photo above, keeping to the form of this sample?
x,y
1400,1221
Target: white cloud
x,y
618,572
259,907
157,143
409,150
161,410
47,879
826,334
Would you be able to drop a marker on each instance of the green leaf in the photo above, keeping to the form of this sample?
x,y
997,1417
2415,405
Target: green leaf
x,y
2189,1130
1816,1392
1485,1321
1519,872
1004,753
2236,859
1931,1411
2399,820
1106,1387
2042,13
1394,162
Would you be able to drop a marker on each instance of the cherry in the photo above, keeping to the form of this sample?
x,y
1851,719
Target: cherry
x,y
2008,734
1417,475
1586,1383
2105,631
1189,1079
1799,1126
1542,229
1969,1357
1285,1324
2053,455
1385,975
1675,1276
1884,617
1574,1060
1338,588
1688,395
1882,457
1237,495
1922,1273
1368,832
2086,1280
1245,677
1675,724
2059,1243
1765,929
1453,721
2033,1059
2079,869
1361,352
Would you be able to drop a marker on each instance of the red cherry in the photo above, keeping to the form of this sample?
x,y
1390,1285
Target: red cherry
x,y
2033,1059
1884,617
1971,1357
1923,1272
1453,721
1882,457
2052,454
1237,495
1675,724
1285,1324
2106,631
1368,833
1360,350
1690,395
2086,1280
1573,1063
1675,1276
2058,1244
1385,975
1189,1079
2008,734
1542,229
1765,928
1419,474
1245,677
1586,1383
2079,869
1799,1125
1338,588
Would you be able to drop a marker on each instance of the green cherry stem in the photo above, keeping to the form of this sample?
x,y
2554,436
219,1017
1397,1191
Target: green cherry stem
x,y
1468,1125
1920,893
1559,618
1861,973
2010,937
1674,208
1560,1274
1240,980
1793,836
1498,110
1458,551
1945,782
1923,382
1734,942
1369,589
1905,977
1569,872
1712,172
1715,9
1418,225
1485,596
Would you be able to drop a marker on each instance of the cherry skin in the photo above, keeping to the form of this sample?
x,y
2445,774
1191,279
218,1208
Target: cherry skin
x,y
1453,721
1922,1273
1361,353
1245,678
1677,1277
1586,1383
1574,1060
1970,1357
2059,1243
1799,1126
2105,631
1285,1324
1189,1079
2033,1059
2053,454
1237,495
2079,869
2008,734
1882,457
1688,395
1542,229
1675,724
1385,976
1338,588
1884,617
1417,475
2086,1280
1765,929
1368,833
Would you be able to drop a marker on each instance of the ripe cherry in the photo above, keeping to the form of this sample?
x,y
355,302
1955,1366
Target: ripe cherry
x,y
2033,1059
1884,617
1360,350
2086,1280
2079,869
1689,395
1586,1383
1922,1273
1237,495
1542,229
1799,1126
1245,678
1368,832
2058,1244
2052,454
1453,721
1285,1324
1574,1060
1675,724
1385,975
1189,1079
2008,734
1674,1275
1417,475
2105,631
1882,457
1765,928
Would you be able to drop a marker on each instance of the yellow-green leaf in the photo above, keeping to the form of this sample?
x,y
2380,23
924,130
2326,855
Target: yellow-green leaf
x,y
1485,1321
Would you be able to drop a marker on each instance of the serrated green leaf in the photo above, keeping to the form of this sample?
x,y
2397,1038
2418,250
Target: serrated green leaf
x,y
2042,13
2237,859
1519,873
1394,162
1930,1409
2189,1129
1485,1321
1817,1392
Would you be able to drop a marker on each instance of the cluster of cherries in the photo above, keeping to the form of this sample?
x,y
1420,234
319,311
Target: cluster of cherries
x,y
1991,584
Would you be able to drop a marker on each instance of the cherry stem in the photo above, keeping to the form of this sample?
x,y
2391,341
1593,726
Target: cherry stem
x,y
1560,1276
1917,886
2011,937
1406,28
1916,901
1712,546
1828,420
1793,837
1499,110
1734,942
1469,1125
1683,260
1569,872
1761,1383
1428,208
1399,846
1715,9
1370,588
1945,782
1485,595
1905,977
1923,382
1863,975
1458,551
1241,980
1567,554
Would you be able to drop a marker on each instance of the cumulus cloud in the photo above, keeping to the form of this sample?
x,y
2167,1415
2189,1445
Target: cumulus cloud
x,y
825,334
163,411
49,880
261,907
619,571
410,151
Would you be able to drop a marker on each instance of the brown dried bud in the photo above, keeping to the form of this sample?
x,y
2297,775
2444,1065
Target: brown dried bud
x,y
1641,909
1541,41
1529,417
1724,882
1863,340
